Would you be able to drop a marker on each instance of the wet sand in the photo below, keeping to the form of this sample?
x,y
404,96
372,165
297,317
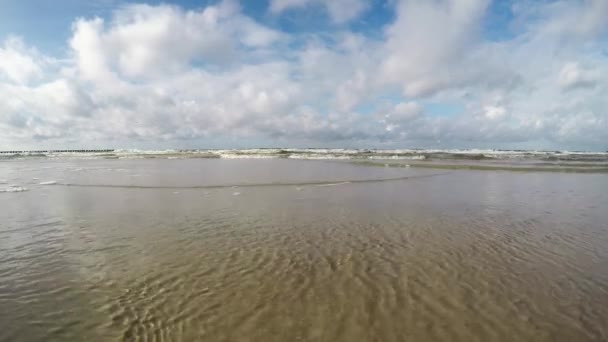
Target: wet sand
x,y
290,250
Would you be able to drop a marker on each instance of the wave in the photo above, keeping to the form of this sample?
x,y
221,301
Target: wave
x,y
13,189
565,168
48,183
324,153
252,185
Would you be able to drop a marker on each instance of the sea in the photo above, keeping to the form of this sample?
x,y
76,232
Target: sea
x,y
303,245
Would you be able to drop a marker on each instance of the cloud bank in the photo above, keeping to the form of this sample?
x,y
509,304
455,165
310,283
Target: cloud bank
x,y
164,76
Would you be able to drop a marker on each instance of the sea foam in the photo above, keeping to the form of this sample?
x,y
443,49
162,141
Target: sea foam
x,y
48,183
13,189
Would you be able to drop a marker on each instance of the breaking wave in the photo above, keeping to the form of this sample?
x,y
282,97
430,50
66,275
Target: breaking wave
x,y
13,189
320,153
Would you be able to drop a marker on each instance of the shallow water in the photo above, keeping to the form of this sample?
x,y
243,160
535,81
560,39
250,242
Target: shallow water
x,y
288,250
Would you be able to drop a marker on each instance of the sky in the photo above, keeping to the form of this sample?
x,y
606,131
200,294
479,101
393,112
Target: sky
x,y
503,74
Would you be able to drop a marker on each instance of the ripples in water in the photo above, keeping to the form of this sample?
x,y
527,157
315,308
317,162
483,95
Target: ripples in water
x,y
455,257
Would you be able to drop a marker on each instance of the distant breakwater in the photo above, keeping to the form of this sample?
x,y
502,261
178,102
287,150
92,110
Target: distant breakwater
x,y
57,151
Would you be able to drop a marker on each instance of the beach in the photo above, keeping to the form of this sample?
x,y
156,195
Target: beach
x,y
304,246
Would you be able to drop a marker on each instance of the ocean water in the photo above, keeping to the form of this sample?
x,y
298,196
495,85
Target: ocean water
x,y
138,247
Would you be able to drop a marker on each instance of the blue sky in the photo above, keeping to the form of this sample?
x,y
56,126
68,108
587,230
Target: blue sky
x,y
47,23
345,73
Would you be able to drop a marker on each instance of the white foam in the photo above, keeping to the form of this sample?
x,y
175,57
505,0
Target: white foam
x,y
318,156
329,153
398,157
246,156
13,189
48,183
333,184
236,194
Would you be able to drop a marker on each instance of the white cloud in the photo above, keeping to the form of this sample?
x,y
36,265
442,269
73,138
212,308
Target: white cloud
x,y
340,11
167,76
278,6
495,112
569,21
573,76
88,49
428,42
147,41
18,63
401,117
